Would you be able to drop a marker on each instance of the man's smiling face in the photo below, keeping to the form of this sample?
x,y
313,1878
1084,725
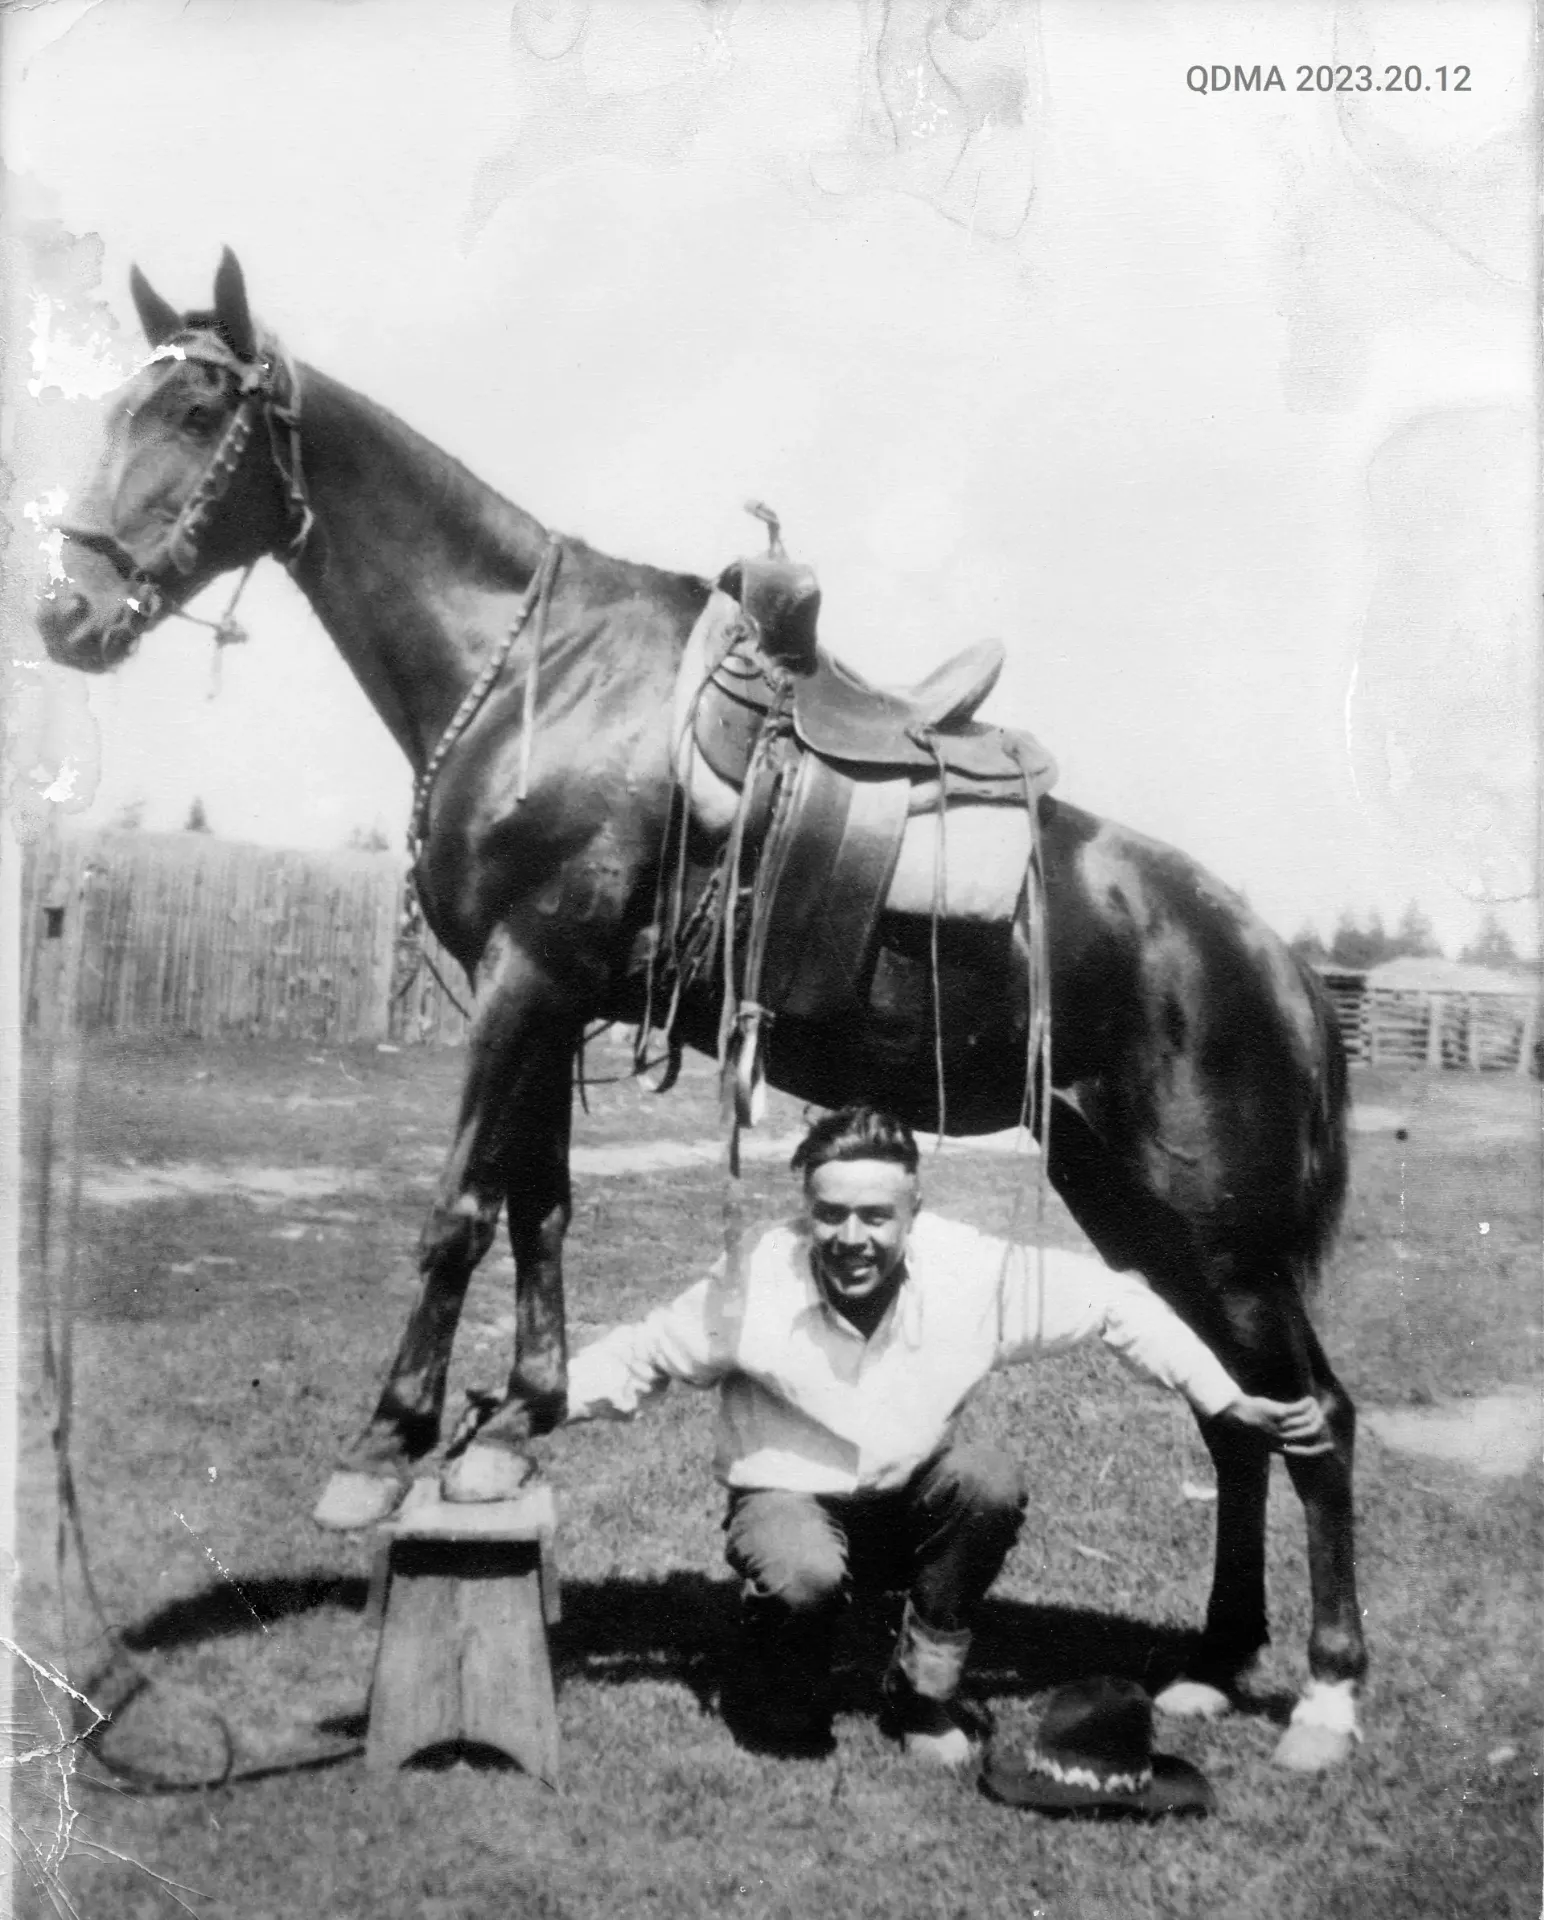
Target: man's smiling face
x,y
860,1212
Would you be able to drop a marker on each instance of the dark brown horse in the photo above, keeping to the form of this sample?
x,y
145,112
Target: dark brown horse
x,y
1199,1124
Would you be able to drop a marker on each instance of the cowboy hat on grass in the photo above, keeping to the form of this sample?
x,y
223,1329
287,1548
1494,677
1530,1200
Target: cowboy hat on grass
x,y
1093,1754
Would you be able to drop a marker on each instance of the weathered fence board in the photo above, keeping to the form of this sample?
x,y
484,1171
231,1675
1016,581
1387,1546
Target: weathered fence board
x,y
186,934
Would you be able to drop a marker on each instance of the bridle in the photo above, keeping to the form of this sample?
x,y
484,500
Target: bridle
x,y
266,387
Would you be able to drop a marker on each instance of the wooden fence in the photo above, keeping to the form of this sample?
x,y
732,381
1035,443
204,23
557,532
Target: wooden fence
x,y
1485,1032
1494,1031
1348,995
187,934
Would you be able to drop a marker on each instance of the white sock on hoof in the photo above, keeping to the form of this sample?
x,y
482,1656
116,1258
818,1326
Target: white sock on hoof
x,y
953,1748
352,1500
485,1473
1323,1728
1193,1700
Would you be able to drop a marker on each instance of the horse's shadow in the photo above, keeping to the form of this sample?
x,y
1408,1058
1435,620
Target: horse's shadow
x,y
680,1627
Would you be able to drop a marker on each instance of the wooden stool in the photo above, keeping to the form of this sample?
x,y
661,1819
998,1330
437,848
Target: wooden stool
x,y
463,1594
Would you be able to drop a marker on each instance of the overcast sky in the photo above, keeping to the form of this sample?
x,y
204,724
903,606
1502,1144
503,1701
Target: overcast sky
x,y
1217,407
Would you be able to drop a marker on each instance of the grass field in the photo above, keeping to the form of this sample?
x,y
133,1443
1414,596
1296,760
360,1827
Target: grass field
x,y
249,1224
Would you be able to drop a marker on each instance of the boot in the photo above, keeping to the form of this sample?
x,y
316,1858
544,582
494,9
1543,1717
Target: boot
x,y
779,1693
919,1688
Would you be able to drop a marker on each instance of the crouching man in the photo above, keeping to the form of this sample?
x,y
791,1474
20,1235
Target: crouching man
x,y
843,1352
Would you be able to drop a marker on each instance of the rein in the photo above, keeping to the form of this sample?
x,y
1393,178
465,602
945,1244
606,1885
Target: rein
x,y
537,597
536,600
267,387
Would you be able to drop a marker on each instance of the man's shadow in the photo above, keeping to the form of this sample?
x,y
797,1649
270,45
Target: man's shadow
x,y
681,1627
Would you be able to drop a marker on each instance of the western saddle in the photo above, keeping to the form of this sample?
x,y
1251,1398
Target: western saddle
x,y
838,714
827,769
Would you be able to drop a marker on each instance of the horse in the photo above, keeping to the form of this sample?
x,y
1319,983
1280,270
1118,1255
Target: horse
x,y
1198,1084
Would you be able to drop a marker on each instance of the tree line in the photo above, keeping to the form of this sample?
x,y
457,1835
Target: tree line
x,y
1359,944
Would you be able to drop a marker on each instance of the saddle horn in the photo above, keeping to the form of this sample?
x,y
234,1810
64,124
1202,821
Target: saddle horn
x,y
781,599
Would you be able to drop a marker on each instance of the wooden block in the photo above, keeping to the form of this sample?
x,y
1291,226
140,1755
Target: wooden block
x,y
424,1515
463,1650
375,1597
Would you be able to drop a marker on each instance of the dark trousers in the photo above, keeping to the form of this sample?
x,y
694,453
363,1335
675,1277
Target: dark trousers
x,y
942,1538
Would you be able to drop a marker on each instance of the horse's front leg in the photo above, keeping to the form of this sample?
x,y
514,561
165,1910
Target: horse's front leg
x,y
489,1460
511,1137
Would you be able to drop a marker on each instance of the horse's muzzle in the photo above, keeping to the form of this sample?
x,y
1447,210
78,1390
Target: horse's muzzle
x,y
78,634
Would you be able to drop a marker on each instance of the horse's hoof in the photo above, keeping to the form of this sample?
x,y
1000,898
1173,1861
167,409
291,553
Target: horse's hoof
x,y
1193,1700
485,1473
1309,1749
352,1500
1322,1730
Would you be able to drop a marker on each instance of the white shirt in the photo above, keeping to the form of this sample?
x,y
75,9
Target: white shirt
x,y
808,1405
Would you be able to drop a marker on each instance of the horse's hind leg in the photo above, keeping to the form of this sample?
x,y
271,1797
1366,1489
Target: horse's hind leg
x,y
1273,1350
513,1115
1324,1723
1260,1331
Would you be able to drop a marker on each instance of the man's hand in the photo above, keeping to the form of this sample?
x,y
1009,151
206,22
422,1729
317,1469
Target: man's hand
x,y
1291,1426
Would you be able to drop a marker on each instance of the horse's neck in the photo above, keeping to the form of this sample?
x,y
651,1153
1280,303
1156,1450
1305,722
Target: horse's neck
x,y
413,565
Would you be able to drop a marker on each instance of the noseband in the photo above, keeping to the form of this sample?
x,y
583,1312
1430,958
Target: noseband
x,y
265,386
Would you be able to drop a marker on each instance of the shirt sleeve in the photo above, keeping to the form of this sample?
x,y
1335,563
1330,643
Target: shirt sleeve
x,y
1050,1300
692,1339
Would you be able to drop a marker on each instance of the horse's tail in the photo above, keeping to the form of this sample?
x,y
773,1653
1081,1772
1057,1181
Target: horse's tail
x,y
1328,1160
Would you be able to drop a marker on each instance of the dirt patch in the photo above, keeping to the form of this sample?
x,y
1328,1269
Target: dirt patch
x,y
198,1179
1495,1434
654,1156
650,1156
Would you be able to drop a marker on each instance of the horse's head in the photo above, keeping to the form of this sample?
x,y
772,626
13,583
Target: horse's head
x,y
198,471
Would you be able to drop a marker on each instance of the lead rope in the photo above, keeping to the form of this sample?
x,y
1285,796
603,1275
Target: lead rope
x,y
58,991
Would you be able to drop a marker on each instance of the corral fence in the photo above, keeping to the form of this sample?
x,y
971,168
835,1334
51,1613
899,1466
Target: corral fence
x,y
185,934
1452,1018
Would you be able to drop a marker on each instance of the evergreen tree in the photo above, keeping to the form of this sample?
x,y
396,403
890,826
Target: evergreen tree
x,y
1492,946
1415,935
197,820
1306,944
1357,946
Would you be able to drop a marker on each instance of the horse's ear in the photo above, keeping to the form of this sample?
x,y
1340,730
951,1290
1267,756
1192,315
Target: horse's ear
x,y
158,317
230,306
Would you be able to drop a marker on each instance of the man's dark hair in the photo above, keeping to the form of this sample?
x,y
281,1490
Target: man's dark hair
x,y
856,1133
